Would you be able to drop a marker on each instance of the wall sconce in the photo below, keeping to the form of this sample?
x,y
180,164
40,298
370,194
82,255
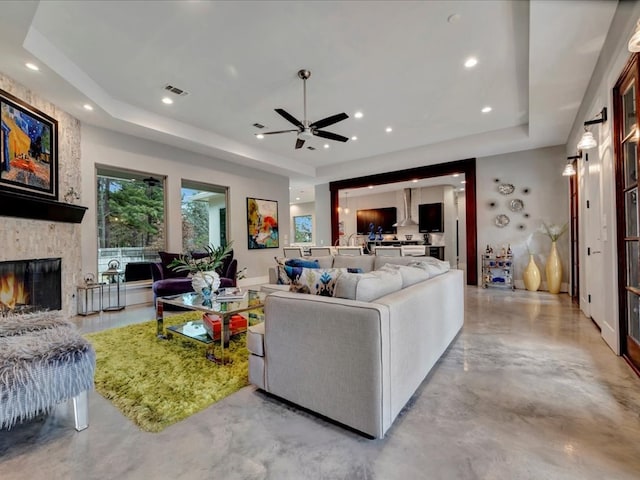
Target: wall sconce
x,y
634,41
587,141
569,169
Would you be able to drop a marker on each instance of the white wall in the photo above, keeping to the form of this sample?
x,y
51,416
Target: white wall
x,y
100,146
540,171
598,228
322,214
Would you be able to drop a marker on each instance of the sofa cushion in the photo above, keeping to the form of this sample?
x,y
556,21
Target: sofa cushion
x,y
410,275
364,262
324,262
380,260
316,281
431,265
166,258
255,339
367,286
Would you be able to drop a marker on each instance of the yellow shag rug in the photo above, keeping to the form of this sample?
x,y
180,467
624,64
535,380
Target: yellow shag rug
x,y
156,383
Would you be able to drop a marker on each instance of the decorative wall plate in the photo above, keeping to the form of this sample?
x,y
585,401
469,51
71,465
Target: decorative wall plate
x,y
506,188
516,205
502,220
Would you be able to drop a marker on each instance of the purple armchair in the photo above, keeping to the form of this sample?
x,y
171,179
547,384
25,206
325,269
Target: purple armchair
x,y
169,282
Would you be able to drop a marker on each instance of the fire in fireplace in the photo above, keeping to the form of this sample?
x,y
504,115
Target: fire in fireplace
x,y
31,285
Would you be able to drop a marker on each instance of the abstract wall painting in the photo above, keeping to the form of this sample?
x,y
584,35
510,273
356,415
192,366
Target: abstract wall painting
x,y
262,223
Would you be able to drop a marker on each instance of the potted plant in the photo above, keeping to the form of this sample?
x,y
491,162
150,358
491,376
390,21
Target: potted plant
x,y
203,267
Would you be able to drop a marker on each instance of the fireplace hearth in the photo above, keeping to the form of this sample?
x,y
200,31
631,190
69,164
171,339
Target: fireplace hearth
x,y
30,285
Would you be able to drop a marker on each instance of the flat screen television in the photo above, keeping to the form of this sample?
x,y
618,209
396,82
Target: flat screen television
x,y
431,217
384,217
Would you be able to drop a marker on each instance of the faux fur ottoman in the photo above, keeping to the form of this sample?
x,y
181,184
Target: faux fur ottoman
x,y
43,361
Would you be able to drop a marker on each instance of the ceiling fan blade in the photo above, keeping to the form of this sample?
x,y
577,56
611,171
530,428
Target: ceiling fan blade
x,y
289,117
279,131
299,143
329,135
325,122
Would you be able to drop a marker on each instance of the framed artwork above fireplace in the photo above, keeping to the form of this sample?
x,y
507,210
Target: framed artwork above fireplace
x,y
28,149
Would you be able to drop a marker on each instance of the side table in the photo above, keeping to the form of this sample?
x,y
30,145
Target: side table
x,y
114,296
89,298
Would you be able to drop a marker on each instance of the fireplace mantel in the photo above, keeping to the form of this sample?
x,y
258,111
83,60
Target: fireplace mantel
x,y
24,206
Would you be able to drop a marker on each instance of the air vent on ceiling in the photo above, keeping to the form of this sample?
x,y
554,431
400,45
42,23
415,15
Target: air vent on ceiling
x,y
258,125
176,90
310,148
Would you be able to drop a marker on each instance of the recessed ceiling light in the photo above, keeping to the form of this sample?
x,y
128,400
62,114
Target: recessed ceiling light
x,y
260,136
486,109
354,138
456,174
462,189
453,18
86,106
297,198
370,186
167,100
415,180
326,145
388,129
32,66
463,181
358,115
471,62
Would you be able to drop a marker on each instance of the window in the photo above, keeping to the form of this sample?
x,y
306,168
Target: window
x,y
204,215
130,217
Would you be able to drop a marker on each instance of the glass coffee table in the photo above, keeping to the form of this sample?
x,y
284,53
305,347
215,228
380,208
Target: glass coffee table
x,y
194,330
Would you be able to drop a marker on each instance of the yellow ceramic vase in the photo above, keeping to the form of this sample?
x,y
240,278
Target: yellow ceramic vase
x,y
553,269
531,275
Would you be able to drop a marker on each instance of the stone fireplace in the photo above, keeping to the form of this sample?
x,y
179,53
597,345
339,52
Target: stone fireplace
x,y
45,237
30,285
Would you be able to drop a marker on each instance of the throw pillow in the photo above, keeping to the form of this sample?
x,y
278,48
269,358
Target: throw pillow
x,y
319,281
293,273
410,275
283,278
300,262
166,258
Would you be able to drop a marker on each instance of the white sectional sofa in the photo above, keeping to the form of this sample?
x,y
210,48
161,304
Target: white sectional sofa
x,y
356,362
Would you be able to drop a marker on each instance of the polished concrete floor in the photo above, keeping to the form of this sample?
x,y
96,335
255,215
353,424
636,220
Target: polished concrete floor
x,y
528,390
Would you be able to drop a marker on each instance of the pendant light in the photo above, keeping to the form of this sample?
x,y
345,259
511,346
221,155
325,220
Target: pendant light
x,y
346,203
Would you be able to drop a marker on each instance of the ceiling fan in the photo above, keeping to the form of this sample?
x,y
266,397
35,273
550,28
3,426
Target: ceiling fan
x,y
305,129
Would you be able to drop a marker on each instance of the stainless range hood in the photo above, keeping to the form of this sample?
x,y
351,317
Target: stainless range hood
x,y
407,221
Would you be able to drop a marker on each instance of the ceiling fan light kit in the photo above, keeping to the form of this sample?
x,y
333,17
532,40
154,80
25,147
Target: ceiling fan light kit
x,y
306,130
